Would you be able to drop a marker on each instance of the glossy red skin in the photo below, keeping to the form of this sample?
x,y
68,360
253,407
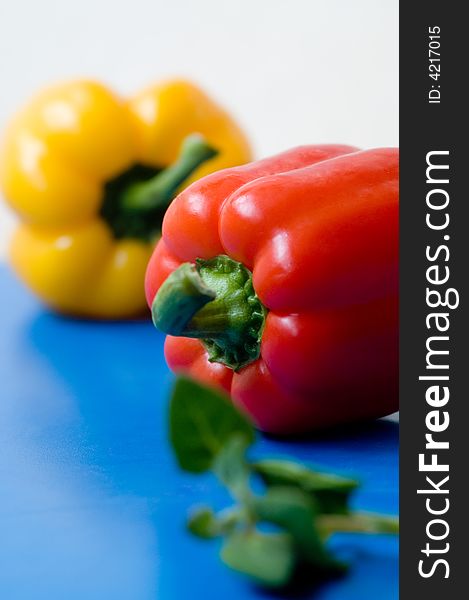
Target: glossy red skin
x,y
318,227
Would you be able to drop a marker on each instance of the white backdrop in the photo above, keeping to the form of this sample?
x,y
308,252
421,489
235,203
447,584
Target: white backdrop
x,y
292,71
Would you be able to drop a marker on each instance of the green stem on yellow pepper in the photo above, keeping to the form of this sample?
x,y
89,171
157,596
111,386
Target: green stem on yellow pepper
x,y
157,192
135,202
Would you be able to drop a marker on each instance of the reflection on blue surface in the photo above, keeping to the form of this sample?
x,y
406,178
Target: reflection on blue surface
x,y
92,505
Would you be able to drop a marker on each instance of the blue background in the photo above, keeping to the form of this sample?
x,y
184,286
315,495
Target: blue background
x,y
92,505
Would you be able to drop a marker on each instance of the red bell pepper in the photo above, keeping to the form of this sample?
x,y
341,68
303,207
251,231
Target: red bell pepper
x,y
278,281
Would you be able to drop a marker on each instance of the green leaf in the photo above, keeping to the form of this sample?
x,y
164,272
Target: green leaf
x,y
293,510
201,421
330,493
204,523
269,559
231,467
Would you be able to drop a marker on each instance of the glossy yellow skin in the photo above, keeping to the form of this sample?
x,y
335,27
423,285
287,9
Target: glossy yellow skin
x,y
55,158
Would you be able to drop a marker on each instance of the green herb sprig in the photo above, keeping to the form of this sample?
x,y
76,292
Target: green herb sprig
x,y
269,537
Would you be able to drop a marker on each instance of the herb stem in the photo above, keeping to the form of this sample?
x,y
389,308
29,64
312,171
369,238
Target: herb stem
x,y
359,522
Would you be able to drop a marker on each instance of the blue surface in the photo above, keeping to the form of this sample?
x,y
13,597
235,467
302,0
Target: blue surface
x,y
92,505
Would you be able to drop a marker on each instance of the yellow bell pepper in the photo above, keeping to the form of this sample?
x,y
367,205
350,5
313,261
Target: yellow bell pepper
x,y
90,176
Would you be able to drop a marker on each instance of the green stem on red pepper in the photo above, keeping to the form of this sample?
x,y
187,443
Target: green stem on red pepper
x,y
213,300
